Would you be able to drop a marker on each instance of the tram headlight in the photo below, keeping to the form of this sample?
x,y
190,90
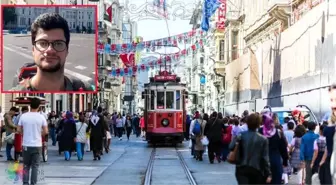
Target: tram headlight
x,y
165,122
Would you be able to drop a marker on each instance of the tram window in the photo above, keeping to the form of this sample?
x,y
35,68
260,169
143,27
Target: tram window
x,y
178,100
160,100
170,100
152,99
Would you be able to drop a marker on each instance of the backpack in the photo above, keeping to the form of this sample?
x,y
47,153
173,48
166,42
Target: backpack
x,y
197,128
227,136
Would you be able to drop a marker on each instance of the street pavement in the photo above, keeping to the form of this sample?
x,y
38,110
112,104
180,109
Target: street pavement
x,y
80,63
126,165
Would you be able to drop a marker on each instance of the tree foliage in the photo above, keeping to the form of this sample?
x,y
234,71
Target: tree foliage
x,y
9,15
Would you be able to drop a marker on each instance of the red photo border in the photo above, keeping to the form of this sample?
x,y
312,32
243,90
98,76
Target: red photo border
x,y
52,92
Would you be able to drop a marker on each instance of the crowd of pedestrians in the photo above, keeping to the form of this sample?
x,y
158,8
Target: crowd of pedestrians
x,y
74,133
266,151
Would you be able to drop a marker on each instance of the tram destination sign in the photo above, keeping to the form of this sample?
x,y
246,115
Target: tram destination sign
x,y
165,78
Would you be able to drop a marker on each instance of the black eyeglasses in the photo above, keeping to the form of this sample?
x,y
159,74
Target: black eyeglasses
x,y
43,45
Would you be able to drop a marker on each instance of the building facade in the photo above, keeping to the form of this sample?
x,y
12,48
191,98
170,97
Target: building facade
x,y
204,88
79,19
272,48
24,2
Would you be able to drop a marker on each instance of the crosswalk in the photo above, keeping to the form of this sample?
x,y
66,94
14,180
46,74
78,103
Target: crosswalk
x,y
73,69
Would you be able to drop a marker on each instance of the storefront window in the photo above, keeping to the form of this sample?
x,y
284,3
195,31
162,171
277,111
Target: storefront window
x,y
160,100
170,100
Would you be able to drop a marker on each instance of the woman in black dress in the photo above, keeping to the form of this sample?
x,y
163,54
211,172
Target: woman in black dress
x,y
97,134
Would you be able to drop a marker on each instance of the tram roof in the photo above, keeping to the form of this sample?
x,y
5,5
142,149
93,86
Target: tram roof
x,y
164,84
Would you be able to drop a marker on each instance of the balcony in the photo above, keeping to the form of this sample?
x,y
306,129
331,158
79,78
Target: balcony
x,y
220,67
217,82
232,16
115,82
280,10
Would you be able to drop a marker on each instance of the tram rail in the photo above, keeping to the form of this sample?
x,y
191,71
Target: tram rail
x,y
150,168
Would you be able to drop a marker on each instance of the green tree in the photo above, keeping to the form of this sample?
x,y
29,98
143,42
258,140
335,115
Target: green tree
x,y
9,15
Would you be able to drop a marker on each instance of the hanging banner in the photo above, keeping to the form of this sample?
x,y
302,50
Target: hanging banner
x,y
130,70
148,46
128,59
221,13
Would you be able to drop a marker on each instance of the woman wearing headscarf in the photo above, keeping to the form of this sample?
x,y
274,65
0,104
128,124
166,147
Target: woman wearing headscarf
x,y
59,131
254,165
277,145
68,135
97,132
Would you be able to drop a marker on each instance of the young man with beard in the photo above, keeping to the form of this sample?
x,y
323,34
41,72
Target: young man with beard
x,y
50,39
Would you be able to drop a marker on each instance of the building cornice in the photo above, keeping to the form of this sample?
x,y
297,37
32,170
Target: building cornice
x,y
260,30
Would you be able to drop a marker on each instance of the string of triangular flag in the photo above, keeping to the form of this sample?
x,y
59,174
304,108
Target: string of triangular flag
x,y
168,59
149,46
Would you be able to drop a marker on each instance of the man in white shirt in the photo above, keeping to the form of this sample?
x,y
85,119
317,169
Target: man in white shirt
x,y
33,126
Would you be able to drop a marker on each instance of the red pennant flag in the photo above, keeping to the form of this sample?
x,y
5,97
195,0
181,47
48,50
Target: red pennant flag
x,y
159,61
109,12
128,59
135,69
142,67
118,71
113,47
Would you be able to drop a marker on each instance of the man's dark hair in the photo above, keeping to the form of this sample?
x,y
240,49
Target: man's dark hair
x,y
99,109
245,113
35,103
286,119
220,115
253,121
322,128
24,108
12,109
311,125
225,120
50,21
290,125
299,131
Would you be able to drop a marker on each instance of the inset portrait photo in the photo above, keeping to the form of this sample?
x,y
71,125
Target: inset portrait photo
x,y
49,49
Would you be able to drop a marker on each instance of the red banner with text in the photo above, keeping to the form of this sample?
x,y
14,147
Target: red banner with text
x,y
221,13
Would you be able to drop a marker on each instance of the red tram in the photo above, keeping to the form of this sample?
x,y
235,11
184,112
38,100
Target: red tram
x,y
165,112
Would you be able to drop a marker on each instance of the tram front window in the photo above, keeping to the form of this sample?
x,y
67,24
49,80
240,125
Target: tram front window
x,y
160,100
178,100
152,98
170,100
